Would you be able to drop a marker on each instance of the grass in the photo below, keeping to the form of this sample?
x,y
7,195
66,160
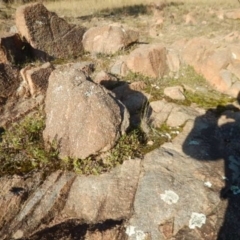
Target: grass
x,y
197,90
78,8
22,151
22,147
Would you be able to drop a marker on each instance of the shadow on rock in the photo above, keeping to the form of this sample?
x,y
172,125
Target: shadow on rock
x,y
216,136
74,229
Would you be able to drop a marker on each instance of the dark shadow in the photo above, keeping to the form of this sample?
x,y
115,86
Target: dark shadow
x,y
135,101
129,11
117,13
211,140
74,229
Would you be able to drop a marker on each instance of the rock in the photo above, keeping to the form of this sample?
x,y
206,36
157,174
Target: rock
x,y
235,52
37,78
156,27
108,39
187,178
220,14
86,67
234,14
138,86
174,115
49,35
91,121
180,115
158,112
175,92
64,196
14,192
13,29
164,211
18,107
189,19
113,198
232,37
120,67
9,81
107,80
13,50
173,61
194,50
148,60
212,61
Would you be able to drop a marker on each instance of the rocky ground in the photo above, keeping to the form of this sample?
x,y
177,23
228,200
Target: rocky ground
x,y
168,69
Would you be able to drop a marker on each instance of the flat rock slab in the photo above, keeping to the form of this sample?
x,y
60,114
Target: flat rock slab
x,y
179,191
64,197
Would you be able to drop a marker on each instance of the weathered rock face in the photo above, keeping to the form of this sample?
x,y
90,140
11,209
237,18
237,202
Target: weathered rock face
x,y
173,60
175,92
13,49
108,39
66,200
49,35
17,108
174,115
9,81
188,178
37,78
120,67
81,115
215,62
148,60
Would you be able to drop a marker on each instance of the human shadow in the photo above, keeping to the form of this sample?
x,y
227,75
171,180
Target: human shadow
x,y
216,136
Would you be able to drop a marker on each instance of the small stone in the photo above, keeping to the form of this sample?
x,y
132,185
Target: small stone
x,y
18,234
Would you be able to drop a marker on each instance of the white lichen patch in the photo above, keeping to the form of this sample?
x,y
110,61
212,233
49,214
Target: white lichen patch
x,y
208,184
197,220
140,235
169,197
135,234
130,230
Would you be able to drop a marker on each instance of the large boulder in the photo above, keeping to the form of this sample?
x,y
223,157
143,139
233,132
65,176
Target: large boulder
x,y
82,116
108,39
148,60
49,35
